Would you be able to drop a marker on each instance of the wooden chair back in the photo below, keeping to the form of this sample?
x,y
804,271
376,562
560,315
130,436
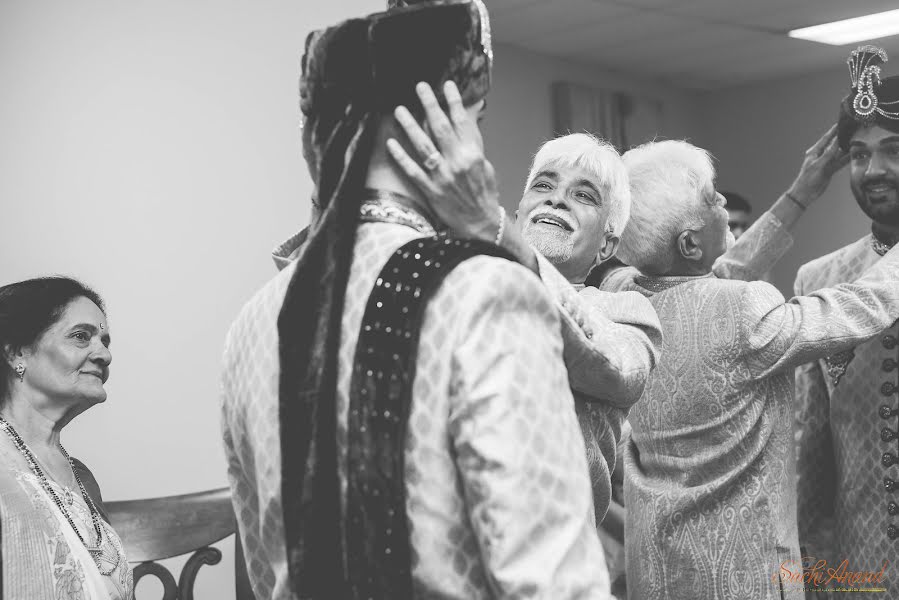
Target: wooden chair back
x,y
158,528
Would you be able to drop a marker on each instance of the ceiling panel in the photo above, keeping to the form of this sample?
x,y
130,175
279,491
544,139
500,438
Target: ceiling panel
x,y
694,44
550,20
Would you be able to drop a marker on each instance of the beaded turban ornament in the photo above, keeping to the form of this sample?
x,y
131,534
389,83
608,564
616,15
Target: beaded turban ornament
x,y
871,100
353,75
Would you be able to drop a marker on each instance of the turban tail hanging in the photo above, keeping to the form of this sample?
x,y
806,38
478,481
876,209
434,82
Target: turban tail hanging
x,y
353,74
871,100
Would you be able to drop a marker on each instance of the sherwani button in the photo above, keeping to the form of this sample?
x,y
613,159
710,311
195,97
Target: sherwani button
x,y
886,412
888,484
887,434
892,532
888,388
888,459
893,508
889,365
889,342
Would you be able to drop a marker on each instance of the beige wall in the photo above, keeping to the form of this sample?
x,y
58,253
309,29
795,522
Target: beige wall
x,y
759,134
151,149
519,116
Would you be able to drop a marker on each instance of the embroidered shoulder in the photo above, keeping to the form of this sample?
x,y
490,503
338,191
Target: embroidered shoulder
x,y
837,363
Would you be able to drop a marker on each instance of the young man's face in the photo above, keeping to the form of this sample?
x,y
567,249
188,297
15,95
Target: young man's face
x,y
738,221
563,215
874,173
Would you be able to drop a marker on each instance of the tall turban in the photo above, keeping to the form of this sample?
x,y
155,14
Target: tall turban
x,y
871,99
352,74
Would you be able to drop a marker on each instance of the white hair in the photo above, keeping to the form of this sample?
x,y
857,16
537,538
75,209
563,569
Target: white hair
x,y
669,180
600,159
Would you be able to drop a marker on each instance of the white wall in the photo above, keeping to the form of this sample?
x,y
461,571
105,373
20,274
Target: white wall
x,y
152,150
759,134
519,109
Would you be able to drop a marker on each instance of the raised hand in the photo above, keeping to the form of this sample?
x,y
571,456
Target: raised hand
x,y
821,161
455,178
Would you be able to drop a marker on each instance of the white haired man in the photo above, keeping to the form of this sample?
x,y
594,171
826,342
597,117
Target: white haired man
x,y
575,204
709,464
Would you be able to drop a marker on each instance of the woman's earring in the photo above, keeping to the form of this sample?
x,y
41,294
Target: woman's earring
x,y
20,371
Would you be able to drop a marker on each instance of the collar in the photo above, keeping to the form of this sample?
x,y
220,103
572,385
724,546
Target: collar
x,y
881,243
660,283
378,207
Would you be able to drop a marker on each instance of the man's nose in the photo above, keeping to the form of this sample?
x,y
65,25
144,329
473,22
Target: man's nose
x,y
875,166
557,199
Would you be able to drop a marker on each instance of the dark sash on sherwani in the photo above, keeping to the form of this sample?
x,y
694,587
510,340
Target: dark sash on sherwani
x,y
376,527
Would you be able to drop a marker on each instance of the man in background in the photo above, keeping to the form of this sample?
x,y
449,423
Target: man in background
x,y
738,213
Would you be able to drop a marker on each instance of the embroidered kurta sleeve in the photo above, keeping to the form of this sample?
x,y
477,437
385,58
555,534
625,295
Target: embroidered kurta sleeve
x,y
781,335
756,252
611,339
520,453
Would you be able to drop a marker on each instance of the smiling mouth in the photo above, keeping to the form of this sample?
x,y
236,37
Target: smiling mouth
x,y
551,220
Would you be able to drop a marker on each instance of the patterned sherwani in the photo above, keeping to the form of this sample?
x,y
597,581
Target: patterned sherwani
x,y
846,412
709,468
611,343
498,494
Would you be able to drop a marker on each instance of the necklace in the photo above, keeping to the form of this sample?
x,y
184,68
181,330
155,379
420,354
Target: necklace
x,y
96,551
880,244
380,206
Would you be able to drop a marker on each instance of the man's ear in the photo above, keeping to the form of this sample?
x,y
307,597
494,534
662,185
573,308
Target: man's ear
x,y
609,247
689,246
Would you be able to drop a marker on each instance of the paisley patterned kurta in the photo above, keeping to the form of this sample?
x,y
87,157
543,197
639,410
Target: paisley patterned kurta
x,y
709,469
498,492
842,433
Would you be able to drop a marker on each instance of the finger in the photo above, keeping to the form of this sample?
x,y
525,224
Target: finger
x,y
408,165
417,136
824,140
458,114
444,133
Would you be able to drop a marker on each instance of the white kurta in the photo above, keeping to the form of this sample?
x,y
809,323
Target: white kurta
x,y
498,493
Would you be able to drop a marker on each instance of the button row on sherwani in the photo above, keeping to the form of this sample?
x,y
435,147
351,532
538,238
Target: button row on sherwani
x,y
889,342
889,459
893,508
892,532
886,412
888,389
888,435
890,365
889,484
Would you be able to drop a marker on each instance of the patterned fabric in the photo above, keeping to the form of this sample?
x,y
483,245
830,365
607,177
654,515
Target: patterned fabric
x,y
611,344
498,495
40,562
709,467
844,506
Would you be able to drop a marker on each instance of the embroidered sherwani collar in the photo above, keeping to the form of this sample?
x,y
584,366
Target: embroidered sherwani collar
x,y
660,283
881,242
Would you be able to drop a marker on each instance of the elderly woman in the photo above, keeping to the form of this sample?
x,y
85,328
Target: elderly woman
x,y
56,541
711,504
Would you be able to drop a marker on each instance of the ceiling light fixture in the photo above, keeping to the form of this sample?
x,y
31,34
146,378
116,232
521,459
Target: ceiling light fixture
x,y
850,31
